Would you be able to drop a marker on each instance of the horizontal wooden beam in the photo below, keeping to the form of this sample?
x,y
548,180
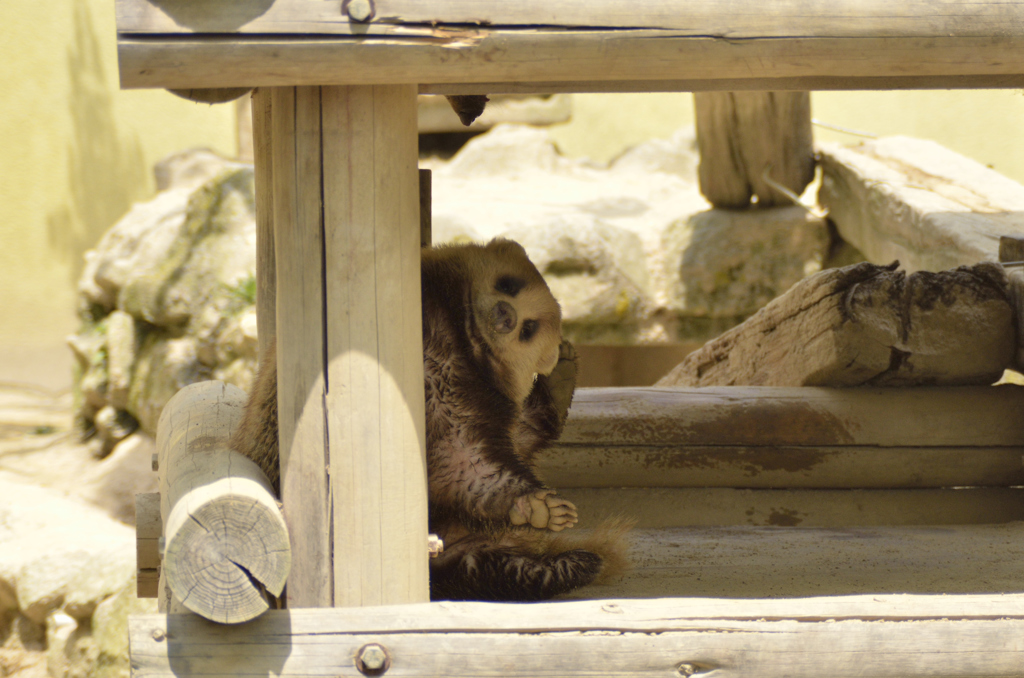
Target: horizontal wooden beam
x,y
866,636
795,562
765,416
499,59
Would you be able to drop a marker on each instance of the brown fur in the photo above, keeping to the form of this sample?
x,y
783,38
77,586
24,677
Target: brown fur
x,y
498,383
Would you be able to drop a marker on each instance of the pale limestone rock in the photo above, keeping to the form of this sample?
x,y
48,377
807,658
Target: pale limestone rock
x,y
110,631
915,201
113,483
58,553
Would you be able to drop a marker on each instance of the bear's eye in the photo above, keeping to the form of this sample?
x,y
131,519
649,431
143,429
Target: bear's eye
x,y
530,328
509,284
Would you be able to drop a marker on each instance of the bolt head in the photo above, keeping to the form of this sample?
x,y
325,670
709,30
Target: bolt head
x,y
373,659
359,10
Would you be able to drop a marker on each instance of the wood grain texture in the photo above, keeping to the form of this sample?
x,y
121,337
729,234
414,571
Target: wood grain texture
x,y
798,562
777,466
572,61
868,325
744,136
148,528
876,636
671,507
226,541
375,409
298,245
734,19
266,267
792,416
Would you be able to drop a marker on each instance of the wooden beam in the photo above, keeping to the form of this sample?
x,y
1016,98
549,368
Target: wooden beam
x,y
575,60
266,273
874,636
797,416
796,562
374,398
148,529
732,19
751,466
671,507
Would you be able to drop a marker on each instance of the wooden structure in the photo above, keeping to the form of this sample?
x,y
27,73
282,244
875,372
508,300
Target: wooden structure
x,y
335,153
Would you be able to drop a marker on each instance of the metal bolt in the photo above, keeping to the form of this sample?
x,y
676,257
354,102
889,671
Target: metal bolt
x,y
435,546
158,635
373,659
155,462
161,545
687,669
359,10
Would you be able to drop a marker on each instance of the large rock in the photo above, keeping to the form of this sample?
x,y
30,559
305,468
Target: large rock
x,y
67,585
632,251
915,201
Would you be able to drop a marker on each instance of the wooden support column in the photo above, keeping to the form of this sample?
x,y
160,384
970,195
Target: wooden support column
x,y
743,135
266,275
349,348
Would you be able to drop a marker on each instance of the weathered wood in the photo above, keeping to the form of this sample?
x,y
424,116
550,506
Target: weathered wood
x,y
867,325
298,247
148,528
374,389
226,543
573,61
723,18
877,636
743,137
768,416
794,562
770,466
266,274
665,507
913,200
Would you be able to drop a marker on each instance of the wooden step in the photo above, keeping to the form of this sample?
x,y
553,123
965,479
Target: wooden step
x,y
769,437
787,562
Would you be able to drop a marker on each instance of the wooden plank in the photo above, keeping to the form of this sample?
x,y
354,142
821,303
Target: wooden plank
x,y
263,161
576,60
666,507
594,638
374,400
780,562
295,121
733,19
753,466
148,528
968,416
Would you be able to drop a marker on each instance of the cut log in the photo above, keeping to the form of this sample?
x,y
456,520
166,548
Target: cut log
x,y
913,200
226,543
868,325
744,137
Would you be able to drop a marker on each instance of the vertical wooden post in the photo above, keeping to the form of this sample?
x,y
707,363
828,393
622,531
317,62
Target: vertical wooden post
x,y
298,240
375,409
741,134
349,343
266,275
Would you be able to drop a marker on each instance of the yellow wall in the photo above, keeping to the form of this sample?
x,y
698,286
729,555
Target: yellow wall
x,y
75,152
987,125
